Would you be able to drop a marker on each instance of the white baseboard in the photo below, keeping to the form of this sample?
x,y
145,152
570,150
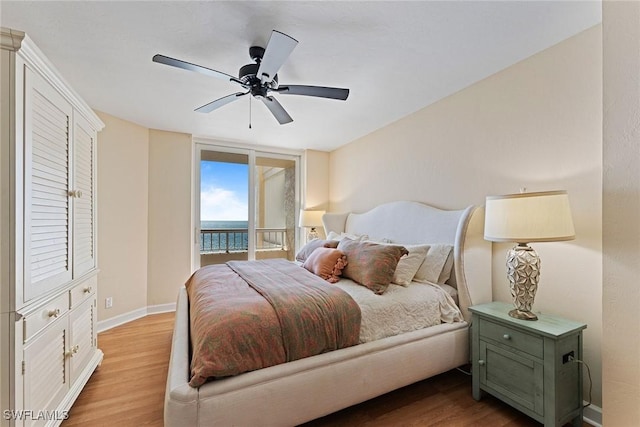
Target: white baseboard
x,y
592,414
121,319
161,308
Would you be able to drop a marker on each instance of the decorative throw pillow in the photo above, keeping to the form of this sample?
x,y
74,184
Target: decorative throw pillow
x,y
371,264
327,263
312,245
434,264
408,265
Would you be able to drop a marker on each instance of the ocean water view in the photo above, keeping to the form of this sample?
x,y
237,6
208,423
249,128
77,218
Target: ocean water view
x,y
207,225
219,236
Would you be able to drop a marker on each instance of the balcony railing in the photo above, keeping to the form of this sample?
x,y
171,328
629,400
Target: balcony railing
x,y
228,240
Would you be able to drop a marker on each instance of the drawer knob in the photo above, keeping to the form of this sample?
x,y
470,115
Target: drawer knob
x,y
506,336
481,362
87,290
54,313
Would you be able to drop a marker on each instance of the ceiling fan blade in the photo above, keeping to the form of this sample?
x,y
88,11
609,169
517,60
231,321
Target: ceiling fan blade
x,y
278,50
161,59
207,108
277,110
319,91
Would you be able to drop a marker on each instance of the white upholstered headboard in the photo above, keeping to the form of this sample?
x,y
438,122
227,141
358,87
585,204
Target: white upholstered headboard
x,y
407,222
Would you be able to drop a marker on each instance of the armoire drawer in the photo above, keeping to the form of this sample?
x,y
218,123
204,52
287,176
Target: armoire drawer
x,y
82,291
45,315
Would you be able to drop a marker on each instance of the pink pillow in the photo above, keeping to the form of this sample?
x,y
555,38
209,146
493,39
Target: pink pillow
x,y
371,264
312,245
326,263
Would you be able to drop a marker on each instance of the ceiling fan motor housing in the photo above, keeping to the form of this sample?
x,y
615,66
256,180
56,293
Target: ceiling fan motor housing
x,y
248,75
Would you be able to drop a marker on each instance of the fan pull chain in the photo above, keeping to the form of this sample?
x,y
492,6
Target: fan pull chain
x,y
250,112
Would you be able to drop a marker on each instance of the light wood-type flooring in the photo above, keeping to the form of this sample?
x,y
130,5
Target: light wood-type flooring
x,y
128,390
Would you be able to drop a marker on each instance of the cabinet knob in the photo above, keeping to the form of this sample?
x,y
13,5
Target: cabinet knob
x,y
506,336
75,193
481,362
73,350
87,290
54,313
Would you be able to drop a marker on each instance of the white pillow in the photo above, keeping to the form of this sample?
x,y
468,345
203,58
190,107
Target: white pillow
x,y
434,264
335,236
409,264
446,270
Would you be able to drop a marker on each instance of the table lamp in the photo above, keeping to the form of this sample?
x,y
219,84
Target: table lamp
x,y
311,219
524,218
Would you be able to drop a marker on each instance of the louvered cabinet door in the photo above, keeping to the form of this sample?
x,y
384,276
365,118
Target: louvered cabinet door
x,y
82,342
83,195
46,376
47,209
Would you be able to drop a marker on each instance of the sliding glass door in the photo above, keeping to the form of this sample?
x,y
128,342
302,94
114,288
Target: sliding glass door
x,y
275,207
224,207
246,204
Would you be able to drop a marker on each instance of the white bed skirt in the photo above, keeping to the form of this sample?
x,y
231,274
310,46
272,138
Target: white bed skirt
x,y
332,381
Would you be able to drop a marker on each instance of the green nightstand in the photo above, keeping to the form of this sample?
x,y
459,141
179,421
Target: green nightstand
x,y
527,364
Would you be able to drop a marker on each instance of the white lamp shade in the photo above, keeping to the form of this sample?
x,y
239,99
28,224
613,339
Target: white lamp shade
x,y
310,218
529,217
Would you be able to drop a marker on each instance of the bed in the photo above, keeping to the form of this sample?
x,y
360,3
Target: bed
x,y
302,390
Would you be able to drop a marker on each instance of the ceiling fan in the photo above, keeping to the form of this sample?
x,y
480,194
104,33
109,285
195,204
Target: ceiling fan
x,y
261,78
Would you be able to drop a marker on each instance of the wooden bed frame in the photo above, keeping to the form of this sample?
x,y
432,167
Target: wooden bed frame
x,y
300,391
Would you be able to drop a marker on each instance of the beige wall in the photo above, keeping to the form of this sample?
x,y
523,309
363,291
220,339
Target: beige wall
x,y
144,216
123,185
316,179
169,236
537,125
621,214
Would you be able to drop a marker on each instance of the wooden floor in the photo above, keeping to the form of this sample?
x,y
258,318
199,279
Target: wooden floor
x,y
128,390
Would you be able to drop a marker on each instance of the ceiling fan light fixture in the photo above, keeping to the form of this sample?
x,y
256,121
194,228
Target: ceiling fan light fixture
x,y
261,77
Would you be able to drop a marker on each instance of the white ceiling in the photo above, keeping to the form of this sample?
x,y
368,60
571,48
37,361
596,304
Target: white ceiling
x,y
395,57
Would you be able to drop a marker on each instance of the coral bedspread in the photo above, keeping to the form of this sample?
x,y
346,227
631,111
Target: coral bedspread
x,y
247,315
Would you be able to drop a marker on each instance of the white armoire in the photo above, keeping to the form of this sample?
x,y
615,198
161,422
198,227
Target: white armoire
x,y
48,268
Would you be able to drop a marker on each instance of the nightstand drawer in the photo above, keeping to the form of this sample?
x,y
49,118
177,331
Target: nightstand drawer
x,y
530,344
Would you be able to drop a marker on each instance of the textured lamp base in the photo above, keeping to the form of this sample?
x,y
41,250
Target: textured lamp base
x,y
524,315
523,271
313,234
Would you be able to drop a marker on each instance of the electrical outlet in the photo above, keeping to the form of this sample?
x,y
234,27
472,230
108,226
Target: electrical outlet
x,y
108,302
566,358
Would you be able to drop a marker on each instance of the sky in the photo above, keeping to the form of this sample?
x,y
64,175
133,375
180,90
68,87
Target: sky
x,y
224,191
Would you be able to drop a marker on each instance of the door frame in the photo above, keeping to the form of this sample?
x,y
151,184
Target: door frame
x,y
200,144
